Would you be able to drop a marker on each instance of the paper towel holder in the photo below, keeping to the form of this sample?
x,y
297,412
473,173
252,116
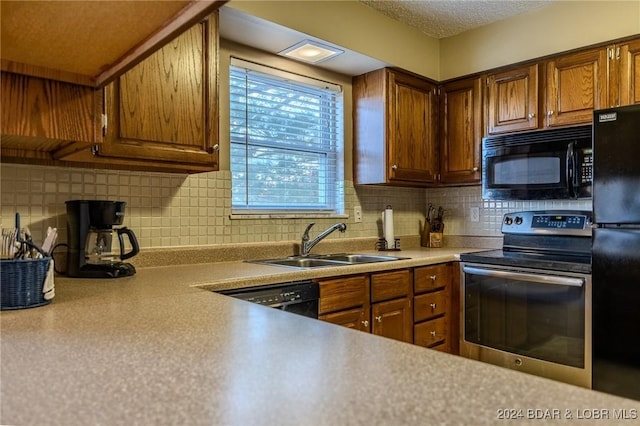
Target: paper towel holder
x,y
381,245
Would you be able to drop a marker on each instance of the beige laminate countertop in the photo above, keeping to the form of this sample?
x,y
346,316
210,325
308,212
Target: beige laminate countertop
x,y
156,349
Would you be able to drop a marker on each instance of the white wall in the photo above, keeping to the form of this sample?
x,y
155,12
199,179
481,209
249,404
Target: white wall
x,y
355,26
559,27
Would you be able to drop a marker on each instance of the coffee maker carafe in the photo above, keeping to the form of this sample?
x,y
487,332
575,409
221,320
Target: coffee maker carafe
x,y
91,239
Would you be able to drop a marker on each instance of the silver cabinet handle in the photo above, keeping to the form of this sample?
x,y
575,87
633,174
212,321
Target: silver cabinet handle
x,y
475,169
379,318
433,277
394,167
531,116
433,307
549,113
433,334
365,323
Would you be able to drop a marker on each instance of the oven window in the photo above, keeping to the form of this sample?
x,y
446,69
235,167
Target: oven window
x,y
543,321
523,170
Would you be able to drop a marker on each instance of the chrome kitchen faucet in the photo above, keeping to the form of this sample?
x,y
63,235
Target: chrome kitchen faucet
x,y
307,245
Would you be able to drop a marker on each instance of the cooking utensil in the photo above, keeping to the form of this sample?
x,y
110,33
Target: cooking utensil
x,y
430,210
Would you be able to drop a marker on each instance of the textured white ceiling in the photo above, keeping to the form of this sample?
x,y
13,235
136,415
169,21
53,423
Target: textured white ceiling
x,y
445,18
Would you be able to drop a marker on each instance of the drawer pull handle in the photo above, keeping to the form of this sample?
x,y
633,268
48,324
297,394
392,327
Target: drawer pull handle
x,y
433,277
433,307
379,318
433,334
365,323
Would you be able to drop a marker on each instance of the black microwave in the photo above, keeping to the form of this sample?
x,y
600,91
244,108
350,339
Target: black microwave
x,y
553,164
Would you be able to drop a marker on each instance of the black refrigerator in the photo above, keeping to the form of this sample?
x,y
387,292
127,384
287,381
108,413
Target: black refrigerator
x,y
616,251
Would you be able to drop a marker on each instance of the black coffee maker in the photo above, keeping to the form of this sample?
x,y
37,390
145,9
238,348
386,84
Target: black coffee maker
x,y
90,232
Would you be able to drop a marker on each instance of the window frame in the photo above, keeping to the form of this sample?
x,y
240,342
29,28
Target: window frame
x,y
335,207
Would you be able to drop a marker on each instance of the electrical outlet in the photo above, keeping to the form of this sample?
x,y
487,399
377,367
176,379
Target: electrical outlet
x,y
357,214
474,213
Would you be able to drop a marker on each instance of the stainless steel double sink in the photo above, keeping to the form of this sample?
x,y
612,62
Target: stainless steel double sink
x,y
327,260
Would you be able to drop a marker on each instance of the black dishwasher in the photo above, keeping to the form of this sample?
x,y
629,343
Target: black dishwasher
x,y
298,297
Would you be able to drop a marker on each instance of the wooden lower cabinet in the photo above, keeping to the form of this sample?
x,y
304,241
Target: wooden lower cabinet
x,y
433,334
392,319
418,305
436,307
345,301
391,314
357,319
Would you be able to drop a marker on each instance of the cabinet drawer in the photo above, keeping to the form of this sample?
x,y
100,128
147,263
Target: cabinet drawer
x,y
430,305
343,293
432,277
390,285
431,332
442,347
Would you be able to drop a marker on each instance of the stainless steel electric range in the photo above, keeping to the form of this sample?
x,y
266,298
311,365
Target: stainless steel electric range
x,y
528,306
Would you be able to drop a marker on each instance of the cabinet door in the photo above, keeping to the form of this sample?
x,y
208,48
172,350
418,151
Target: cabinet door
x,y
393,319
411,129
461,131
577,84
629,73
41,118
358,319
165,108
512,100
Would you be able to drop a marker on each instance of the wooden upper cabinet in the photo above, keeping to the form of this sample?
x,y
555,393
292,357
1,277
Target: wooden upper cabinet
x,y
45,119
395,126
460,131
90,43
576,85
512,100
627,56
412,129
164,110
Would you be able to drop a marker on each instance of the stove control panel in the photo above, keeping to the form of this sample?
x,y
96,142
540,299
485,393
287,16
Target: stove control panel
x,y
561,222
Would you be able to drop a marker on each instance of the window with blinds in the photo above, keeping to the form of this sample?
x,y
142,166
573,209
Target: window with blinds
x,y
286,142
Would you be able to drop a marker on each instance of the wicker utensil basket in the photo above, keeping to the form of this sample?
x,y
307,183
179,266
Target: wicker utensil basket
x,y
22,281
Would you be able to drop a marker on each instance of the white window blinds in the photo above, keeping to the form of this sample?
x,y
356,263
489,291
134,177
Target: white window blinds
x,y
286,136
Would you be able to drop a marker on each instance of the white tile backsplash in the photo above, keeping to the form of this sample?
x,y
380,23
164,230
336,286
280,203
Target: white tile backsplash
x,y
457,203
169,210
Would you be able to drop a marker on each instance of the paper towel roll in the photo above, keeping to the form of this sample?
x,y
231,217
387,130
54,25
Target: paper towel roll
x,y
387,226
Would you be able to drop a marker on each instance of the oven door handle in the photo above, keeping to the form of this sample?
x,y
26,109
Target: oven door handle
x,y
520,276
